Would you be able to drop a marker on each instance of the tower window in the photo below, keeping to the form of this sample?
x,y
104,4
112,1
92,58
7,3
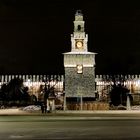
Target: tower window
x,y
79,27
79,68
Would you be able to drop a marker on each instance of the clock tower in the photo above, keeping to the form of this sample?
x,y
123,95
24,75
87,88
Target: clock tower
x,y
79,64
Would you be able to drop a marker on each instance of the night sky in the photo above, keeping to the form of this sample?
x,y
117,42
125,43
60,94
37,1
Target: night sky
x,y
34,34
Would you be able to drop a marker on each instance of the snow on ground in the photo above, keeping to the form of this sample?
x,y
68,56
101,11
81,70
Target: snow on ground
x,y
136,107
32,108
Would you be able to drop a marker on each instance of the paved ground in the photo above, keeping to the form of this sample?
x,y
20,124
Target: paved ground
x,y
43,127
16,111
77,125
74,115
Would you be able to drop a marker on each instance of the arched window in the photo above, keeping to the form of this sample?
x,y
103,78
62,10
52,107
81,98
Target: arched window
x,y
79,27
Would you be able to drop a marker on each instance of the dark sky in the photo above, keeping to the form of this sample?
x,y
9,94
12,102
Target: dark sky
x,y
34,34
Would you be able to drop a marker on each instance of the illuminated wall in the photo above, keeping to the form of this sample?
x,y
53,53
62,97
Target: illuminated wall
x,y
79,84
33,82
103,82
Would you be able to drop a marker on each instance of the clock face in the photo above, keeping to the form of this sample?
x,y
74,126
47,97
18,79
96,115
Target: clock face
x,y
79,44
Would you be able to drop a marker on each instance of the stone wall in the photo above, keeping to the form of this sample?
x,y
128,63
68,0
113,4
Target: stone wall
x,y
79,84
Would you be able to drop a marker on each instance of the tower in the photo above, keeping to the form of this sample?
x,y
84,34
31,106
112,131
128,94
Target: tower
x,y
79,63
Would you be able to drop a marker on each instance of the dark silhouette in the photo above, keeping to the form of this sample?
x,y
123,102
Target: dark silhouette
x,y
14,93
118,95
45,108
42,108
33,99
49,89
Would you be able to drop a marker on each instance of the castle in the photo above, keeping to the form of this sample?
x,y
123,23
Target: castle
x,y
79,83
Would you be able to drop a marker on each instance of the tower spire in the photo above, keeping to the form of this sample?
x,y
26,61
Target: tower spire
x,y
79,23
79,38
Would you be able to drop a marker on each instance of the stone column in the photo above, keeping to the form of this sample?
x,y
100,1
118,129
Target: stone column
x,y
128,104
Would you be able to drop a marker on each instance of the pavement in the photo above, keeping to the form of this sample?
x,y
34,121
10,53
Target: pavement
x,y
70,115
18,111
